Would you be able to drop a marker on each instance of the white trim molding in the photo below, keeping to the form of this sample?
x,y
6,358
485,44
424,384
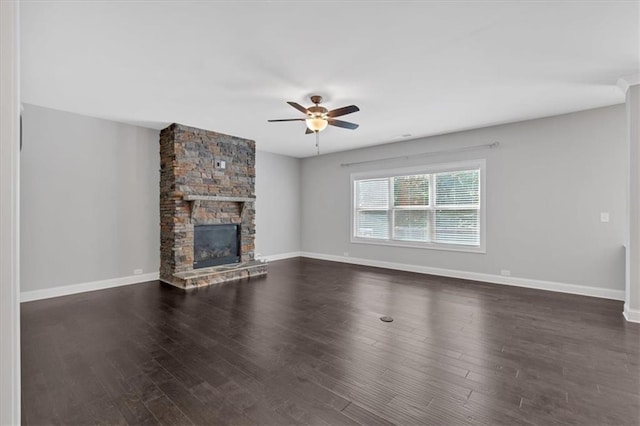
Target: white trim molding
x,y
47,293
631,315
627,81
581,290
10,213
281,256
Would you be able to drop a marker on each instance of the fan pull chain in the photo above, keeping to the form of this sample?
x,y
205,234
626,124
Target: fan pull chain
x,y
317,143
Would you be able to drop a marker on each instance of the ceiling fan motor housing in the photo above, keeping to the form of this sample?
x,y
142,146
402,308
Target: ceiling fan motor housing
x,y
317,111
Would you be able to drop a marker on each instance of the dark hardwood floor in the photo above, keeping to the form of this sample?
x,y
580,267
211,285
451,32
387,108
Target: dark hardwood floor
x,y
305,345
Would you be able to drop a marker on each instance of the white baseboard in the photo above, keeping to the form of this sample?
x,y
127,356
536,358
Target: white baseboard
x,y
604,293
47,293
631,315
28,296
282,256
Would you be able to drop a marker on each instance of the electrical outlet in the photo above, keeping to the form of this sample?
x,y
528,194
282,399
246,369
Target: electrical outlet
x,y
604,217
137,271
221,164
505,272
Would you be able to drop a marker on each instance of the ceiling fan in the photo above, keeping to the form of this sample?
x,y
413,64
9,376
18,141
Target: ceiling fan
x,y
318,117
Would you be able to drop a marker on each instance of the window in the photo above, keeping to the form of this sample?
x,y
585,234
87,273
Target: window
x,y
439,206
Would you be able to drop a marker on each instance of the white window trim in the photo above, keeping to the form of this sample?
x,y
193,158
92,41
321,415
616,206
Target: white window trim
x,y
425,169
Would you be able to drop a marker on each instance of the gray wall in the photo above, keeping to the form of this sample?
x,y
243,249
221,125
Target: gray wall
x,y
278,209
89,199
547,183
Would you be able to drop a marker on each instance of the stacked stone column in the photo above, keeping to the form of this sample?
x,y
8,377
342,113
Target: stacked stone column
x,y
188,159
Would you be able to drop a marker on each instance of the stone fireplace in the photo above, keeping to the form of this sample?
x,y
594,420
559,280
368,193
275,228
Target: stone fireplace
x,y
207,207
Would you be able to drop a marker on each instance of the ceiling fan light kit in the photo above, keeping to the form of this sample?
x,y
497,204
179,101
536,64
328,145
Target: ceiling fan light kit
x,y
318,117
317,124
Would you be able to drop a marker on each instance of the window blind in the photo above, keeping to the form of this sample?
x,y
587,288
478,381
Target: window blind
x,y
458,207
373,204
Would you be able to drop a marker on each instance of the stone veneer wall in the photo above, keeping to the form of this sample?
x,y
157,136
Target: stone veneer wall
x,y
187,167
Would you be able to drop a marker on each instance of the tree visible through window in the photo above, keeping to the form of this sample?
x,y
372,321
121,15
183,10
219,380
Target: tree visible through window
x,y
442,208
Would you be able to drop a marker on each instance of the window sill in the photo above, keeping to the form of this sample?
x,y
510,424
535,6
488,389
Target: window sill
x,y
408,244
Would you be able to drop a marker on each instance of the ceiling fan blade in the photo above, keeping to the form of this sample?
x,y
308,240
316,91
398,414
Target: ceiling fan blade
x,y
343,111
308,131
298,107
287,119
343,124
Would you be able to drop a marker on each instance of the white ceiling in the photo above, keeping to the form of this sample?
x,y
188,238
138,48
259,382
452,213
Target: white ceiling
x,y
418,68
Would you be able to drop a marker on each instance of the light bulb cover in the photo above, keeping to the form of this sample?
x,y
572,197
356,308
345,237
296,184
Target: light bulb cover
x,y
316,124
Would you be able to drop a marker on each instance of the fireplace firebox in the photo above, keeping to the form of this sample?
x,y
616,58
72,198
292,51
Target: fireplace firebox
x,y
215,245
